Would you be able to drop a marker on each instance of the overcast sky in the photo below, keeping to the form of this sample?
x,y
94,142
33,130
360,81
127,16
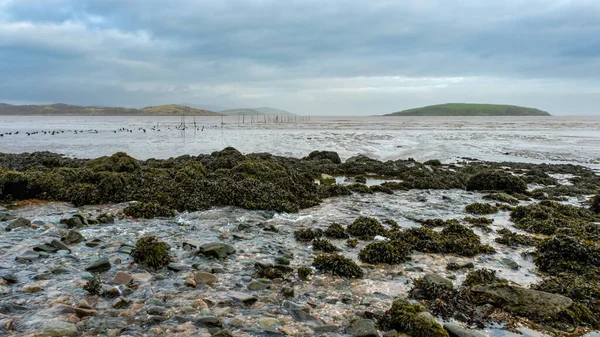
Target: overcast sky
x,y
313,57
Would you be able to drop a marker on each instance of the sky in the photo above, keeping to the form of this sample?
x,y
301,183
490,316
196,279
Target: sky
x,y
311,57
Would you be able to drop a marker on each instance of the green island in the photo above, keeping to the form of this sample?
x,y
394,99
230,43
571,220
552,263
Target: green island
x,y
471,109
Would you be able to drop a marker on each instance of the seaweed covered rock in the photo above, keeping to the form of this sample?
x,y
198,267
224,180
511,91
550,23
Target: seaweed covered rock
x,y
307,234
332,190
479,222
525,302
437,222
513,239
453,239
482,276
385,252
326,179
338,265
151,252
496,180
502,197
336,231
13,185
148,210
366,228
360,179
481,208
412,319
433,162
118,162
329,155
431,286
324,245
565,253
304,272
549,217
227,158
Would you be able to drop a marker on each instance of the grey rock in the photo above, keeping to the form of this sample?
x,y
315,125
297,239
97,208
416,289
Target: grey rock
x,y
126,249
28,256
244,298
72,237
156,310
57,328
263,265
438,280
362,328
208,321
20,222
455,330
45,247
178,267
109,291
257,285
99,265
59,245
526,302
304,317
93,243
289,305
105,218
509,263
216,250
282,261
7,217
75,222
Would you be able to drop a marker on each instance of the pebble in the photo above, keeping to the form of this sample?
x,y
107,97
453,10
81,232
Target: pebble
x,y
244,298
32,288
28,256
206,278
257,285
99,265
362,328
60,245
122,278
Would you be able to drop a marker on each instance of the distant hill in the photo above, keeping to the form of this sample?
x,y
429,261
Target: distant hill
x,y
75,110
467,109
254,111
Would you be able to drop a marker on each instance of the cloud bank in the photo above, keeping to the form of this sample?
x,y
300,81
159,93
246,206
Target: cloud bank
x,y
310,57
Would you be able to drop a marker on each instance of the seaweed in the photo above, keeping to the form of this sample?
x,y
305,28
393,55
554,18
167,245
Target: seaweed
x,y
385,252
481,208
338,265
412,319
496,180
562,253
365,228
304,272
151,252
482,276
93,286
328,155
147,210
307,234
437,222
324,245
512,239
336,231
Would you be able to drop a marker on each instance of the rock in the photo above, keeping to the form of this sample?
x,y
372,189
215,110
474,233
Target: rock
x,y
289,305
177,267
120,302
9,277
156,310
45,247
72,237
244,298
509,263
362,328
304,317
208,321
75,222
222,333
109,291
126,249
105,218
325,328
60,271
438,280
288,292
93,243
268,322
4,290
80,312
20,222
99,265
455,330
57,328
263,265
282,261
190,282
206,278
526,302
326,179
122,278
257,285
59,245
32,288
216,249
28,256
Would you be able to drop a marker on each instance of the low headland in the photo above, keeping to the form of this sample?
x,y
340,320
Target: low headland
x,y
121,250
470,109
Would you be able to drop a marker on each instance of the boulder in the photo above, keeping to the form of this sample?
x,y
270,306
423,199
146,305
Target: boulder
x,y
20,222
72,237
329,155
216,250
59,245
99,265
362,328
526,302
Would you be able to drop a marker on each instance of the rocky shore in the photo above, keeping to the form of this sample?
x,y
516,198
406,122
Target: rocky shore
x,y
229,244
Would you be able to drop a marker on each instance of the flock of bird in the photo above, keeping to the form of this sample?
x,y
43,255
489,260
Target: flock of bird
x,y
154,128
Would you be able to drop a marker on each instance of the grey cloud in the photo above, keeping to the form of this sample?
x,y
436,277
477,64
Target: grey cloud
x,y
308,56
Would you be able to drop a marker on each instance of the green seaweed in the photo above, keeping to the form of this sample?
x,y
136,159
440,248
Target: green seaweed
x,y
307,234
481,208
151,252
324,245
496,180
336,231
512,239
365,228
406,317
338,265
385,252
147,210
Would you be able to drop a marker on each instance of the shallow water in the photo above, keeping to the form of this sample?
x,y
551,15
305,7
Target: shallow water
x,y
527,139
